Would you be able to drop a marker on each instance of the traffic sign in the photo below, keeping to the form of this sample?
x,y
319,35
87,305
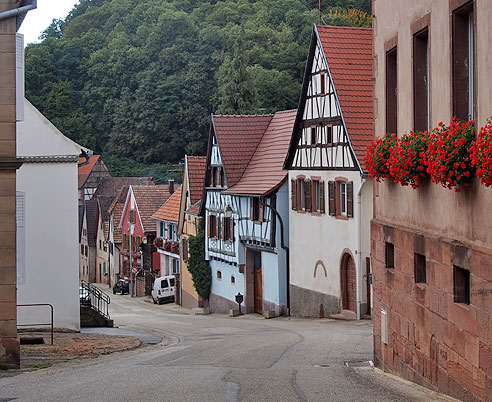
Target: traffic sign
x,y
134,270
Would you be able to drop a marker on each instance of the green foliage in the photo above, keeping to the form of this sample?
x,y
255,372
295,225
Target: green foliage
x,y
197,265
138,79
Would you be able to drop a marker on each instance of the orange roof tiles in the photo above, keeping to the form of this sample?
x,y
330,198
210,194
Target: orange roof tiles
x,y
196,176
85,170
149,199
194,209
349,54
170,210
264,172
238,137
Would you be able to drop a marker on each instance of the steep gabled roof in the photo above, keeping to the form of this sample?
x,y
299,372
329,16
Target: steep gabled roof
x,y
86,169
238,137
348,55
170,210
264,172
116,208
149,199
109,188
196,176
348,52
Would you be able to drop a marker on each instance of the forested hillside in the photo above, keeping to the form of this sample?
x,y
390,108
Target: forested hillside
x,y
137,80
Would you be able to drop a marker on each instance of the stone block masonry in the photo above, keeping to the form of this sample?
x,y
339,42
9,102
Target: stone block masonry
x,y
433,340
9,343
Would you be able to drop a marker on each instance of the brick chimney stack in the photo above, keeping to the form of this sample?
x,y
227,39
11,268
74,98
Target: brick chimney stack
x,y
171,186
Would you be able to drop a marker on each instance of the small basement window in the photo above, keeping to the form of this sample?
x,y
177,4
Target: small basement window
x,y
389,253
461,285
219,275
233,280
419,268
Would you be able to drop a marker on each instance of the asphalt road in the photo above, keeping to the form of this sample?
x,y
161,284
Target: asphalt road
x,y
217,358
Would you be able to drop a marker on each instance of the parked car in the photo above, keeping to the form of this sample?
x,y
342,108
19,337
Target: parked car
x,y
163,289
85,298
122,286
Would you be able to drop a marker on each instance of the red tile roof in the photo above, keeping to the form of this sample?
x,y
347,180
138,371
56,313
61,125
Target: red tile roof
x,y
264,172
85,170
238,137
349,54
170,210
149,199
196,176
109,188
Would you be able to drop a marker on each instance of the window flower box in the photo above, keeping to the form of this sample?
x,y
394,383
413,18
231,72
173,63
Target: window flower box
x,y
407,159
481,154
377,156
448,154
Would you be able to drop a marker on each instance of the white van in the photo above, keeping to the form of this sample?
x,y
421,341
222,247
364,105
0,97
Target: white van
x,y
163,289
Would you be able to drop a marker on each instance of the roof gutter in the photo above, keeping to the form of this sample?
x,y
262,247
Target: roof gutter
x,y
19,11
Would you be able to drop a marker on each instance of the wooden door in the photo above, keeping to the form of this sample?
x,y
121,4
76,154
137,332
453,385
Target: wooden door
x,y
258,283
349,284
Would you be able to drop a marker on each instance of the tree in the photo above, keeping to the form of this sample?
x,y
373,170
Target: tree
x,y
236,90
197,264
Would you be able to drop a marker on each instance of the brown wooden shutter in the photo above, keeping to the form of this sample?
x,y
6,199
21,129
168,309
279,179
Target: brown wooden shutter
x,y
209,226
251,208
331,198
350,199
307,194
322,197
260,210
314,195
293,193
231,229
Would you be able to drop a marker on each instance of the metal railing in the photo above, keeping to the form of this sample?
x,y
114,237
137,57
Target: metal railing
x,y
37,325
91,296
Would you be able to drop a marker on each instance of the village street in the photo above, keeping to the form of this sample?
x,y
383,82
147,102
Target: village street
x,y
217,358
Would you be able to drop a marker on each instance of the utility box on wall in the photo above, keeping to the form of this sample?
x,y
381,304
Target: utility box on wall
x,y
384,326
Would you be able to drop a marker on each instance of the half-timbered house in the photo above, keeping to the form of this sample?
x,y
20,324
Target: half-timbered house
x,y
331,201
139,232
247,211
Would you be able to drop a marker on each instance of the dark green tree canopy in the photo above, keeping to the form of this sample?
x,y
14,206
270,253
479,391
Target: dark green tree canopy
x,y
138,79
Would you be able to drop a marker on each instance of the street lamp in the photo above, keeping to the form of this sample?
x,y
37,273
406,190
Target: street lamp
x,y
228,211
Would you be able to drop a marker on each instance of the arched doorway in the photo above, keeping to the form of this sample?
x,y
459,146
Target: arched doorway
x,y
348,284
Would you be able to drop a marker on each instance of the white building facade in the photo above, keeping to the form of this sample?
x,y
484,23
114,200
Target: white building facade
x,y
331,197
47,218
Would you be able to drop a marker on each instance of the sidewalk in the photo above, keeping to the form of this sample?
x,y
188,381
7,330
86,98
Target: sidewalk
x,y
69,346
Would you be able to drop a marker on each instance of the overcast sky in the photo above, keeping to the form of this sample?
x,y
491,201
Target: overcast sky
x,y
38,20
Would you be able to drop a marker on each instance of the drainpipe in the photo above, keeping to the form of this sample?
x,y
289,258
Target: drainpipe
x,y
18,11
283,246
359,224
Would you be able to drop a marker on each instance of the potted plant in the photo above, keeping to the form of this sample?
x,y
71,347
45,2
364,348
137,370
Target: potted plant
x,y
481,154
448,154
407,159
377,156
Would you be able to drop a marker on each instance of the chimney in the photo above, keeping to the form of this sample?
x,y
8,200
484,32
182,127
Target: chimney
x,y
171,186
